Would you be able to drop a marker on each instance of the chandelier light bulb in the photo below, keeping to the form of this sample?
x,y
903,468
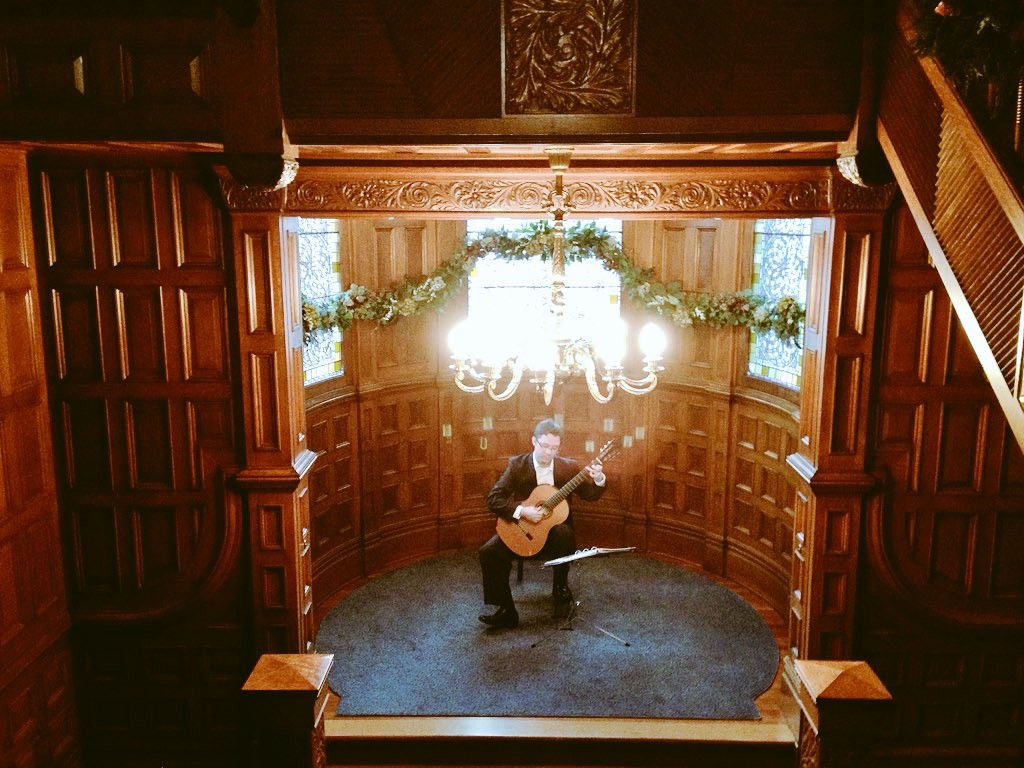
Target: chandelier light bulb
x,y
460,341
652,341
610,342
539,355
496,343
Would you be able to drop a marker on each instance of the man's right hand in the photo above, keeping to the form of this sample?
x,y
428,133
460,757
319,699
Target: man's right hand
x,y
532,514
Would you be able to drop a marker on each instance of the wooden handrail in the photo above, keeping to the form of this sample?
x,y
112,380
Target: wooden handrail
x,y
967,208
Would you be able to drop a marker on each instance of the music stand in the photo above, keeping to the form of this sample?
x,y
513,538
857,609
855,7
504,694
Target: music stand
x,y
581,554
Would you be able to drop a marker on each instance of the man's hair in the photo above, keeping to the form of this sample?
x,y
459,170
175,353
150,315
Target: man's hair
x,y
547,427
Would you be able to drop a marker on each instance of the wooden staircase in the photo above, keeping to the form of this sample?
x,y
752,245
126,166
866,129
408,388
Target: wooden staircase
x,y
968,209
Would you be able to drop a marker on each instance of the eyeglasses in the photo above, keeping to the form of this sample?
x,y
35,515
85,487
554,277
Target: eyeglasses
x,y
548,446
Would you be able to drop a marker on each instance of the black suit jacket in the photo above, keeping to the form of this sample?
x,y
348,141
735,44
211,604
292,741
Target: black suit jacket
x,y
520,478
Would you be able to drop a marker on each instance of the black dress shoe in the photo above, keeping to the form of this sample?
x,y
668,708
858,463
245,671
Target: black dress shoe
x,y
562,597
503,618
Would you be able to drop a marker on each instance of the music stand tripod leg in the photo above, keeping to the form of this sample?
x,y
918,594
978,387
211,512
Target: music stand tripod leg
x,y
574,609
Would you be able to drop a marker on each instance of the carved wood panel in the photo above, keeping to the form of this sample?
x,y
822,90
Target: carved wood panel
x,y
956,474
381,255
335,510
760,505
944,542
679,473
399,476
616,66
701,255
39,723
569,57
155,323
388,191
132,261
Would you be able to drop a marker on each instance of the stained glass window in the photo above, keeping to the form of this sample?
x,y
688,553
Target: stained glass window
x,y
782,250
501,290
320,279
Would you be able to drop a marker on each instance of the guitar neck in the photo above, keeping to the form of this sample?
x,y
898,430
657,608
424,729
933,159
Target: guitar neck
x,y
563,493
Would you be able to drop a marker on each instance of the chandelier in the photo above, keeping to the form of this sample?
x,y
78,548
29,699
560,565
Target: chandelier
x,y
489,359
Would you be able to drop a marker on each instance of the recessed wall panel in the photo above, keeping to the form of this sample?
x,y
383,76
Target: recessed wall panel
x,y
66,209
140,330
149,445
132,219
197,224
79,355
20,366
203,319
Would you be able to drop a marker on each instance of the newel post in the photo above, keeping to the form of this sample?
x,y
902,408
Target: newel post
x,y
286,697
842,706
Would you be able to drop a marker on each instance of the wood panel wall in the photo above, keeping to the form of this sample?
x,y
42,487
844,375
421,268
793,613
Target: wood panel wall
x,y
406,459
943,620
139,325
38,724
831,462
147,362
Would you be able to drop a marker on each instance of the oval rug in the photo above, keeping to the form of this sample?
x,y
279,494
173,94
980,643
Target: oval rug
x,y
648,639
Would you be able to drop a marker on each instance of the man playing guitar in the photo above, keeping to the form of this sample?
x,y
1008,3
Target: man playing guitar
x,y
518,499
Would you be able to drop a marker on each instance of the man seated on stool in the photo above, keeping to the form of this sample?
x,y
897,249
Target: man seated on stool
x,y
524,473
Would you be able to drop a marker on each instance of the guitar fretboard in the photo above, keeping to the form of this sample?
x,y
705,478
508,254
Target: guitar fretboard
x,y
563,493
609,450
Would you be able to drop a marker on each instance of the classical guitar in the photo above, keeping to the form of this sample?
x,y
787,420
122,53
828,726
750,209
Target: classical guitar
x,y
526,538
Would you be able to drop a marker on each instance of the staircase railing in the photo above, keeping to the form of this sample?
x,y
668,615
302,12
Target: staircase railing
x,y
968,209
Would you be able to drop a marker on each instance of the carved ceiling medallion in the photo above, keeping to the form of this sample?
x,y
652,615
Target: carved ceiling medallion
x,y
569,56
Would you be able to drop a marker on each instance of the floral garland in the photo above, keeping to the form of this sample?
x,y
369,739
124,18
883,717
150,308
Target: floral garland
x,y
976,40
784,318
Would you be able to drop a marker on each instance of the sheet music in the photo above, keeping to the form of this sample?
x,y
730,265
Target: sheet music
x,y
579,554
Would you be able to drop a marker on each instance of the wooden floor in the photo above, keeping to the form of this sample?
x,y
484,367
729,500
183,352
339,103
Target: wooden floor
x,y
506,740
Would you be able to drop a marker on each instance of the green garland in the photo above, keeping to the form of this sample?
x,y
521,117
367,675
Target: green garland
x,y
975,40
784,318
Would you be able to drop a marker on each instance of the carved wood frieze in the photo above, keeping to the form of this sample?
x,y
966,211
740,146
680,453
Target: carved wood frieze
x,y
569,57
394,196
719,191
851,196
472,195
248,197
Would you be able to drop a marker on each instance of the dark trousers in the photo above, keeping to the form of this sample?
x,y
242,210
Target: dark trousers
x,y
496,563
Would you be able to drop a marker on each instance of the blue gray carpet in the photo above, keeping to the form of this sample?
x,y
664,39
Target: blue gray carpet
x,y
648,640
